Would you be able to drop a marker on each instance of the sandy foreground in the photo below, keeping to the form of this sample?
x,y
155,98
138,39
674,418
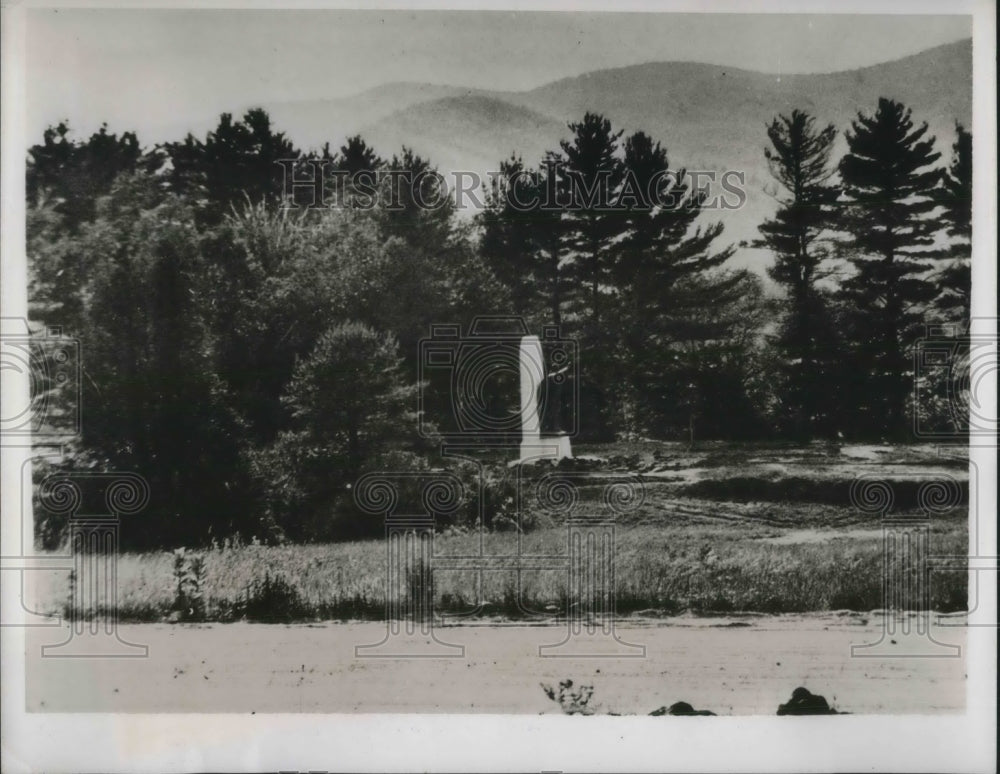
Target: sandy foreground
x,y
732,666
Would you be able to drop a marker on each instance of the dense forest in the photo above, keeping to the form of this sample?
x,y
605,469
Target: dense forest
x,y
252,358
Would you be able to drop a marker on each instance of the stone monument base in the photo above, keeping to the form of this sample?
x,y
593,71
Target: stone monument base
x,y
546,447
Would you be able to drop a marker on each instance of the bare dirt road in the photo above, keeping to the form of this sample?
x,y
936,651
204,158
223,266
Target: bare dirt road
x,y
739,666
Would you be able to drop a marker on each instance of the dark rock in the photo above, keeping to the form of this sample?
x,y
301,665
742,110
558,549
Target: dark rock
x,y
680,708
683,708
805,703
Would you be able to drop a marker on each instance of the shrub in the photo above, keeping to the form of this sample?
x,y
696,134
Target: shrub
x,y
273,599
189,584
347,402
572,700
492,497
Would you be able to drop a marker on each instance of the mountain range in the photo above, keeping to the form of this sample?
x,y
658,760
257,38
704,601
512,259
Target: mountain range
x,y
709,117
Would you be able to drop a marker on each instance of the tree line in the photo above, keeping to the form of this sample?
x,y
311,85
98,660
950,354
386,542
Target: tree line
x,y
252,359
867,250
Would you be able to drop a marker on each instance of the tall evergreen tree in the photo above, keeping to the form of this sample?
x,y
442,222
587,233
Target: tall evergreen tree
x,y
358,156
551,270
592,175
236,162
707,380
354,173
661,248
509,240
71,175
799,160
888,178
521,239
955,196
414,204
589,180
65,181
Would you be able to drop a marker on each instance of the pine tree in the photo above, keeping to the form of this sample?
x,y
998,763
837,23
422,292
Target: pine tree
x,y
509,241
414,203
354,173
660,249
888,179
799,160
588,182
521,239
72,175
351,410
551,271
358,156
708,378
238,161
591,177
955,196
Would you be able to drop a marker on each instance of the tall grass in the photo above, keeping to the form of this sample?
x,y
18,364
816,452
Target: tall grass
x,y
658,569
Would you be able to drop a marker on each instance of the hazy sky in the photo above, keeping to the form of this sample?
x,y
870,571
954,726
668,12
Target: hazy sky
x,y
156,70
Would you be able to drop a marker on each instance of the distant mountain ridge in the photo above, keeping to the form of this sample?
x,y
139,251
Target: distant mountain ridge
x,y
709,117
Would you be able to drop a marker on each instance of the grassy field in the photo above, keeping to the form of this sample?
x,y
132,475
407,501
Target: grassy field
x,y
724,529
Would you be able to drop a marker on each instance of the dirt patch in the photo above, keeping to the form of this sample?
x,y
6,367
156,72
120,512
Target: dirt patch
x,y
728,670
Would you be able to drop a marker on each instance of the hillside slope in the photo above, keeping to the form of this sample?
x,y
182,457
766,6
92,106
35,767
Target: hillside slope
x,y
709,117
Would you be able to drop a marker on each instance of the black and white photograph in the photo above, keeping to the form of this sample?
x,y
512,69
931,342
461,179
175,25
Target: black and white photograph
x,y
554,388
